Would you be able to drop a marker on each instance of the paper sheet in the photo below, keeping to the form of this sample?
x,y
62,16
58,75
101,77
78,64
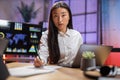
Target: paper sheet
x,y
31,70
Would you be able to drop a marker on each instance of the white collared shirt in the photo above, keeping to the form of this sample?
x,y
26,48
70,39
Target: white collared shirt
x,y
69,44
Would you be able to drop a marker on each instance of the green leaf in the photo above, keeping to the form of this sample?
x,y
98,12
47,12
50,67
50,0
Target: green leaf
x,y
88,55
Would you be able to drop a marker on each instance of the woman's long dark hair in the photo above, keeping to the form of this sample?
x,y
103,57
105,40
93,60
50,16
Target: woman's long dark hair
x,y
53,47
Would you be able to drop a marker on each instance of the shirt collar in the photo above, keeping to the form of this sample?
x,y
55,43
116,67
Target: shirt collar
x,y
67,32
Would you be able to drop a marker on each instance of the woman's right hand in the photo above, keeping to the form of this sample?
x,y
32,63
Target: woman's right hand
x,y
38,62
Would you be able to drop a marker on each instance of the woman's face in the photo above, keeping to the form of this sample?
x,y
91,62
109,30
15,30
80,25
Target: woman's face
x,y
60,18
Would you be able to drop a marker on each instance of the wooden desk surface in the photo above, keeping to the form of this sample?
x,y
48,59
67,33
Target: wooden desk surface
x,y
60,74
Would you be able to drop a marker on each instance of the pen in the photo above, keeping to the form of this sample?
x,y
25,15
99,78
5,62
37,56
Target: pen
x,y
37,52
36,49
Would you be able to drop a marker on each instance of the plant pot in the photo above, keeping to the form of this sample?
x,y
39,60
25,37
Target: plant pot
x,y
85,63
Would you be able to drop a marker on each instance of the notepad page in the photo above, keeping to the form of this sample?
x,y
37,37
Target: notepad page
x,y
31,70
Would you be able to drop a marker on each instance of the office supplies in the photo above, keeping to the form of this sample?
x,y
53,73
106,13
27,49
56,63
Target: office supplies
x,y
31,70
36,49
101,53
108,71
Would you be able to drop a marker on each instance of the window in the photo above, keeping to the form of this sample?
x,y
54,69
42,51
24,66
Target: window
x,y
85,20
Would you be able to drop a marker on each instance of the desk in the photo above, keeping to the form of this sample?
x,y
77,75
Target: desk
x,y
60,74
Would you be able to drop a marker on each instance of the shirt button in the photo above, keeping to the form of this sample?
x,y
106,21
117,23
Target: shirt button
x,y
65,58
71,62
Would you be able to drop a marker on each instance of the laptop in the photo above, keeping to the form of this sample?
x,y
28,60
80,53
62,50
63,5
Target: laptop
x,y
101,54
4,73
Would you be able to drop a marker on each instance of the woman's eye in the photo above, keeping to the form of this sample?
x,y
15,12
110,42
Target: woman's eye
x,y
63,15
55,16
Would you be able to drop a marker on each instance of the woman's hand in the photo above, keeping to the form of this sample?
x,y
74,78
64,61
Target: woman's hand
x,y
38,62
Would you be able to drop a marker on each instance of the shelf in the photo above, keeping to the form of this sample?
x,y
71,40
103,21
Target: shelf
x,y
22,58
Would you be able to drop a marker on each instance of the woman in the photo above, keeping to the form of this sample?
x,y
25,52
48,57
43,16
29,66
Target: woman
x,y
60,43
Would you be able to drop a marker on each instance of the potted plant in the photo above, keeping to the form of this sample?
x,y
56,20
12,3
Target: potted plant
x,y
88,55
28,12
87,60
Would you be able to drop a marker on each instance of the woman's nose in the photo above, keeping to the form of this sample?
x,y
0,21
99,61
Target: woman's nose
x,y
60,19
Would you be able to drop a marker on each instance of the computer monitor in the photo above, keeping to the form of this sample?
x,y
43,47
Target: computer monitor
x,y
23,37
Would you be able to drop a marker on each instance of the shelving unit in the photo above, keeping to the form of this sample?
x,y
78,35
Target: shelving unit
x,y
18,58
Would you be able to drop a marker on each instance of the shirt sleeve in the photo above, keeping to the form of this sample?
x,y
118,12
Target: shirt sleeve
x,y
43,48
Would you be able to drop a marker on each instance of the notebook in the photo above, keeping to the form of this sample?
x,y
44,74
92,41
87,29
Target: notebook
x,y
101,53
4,73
